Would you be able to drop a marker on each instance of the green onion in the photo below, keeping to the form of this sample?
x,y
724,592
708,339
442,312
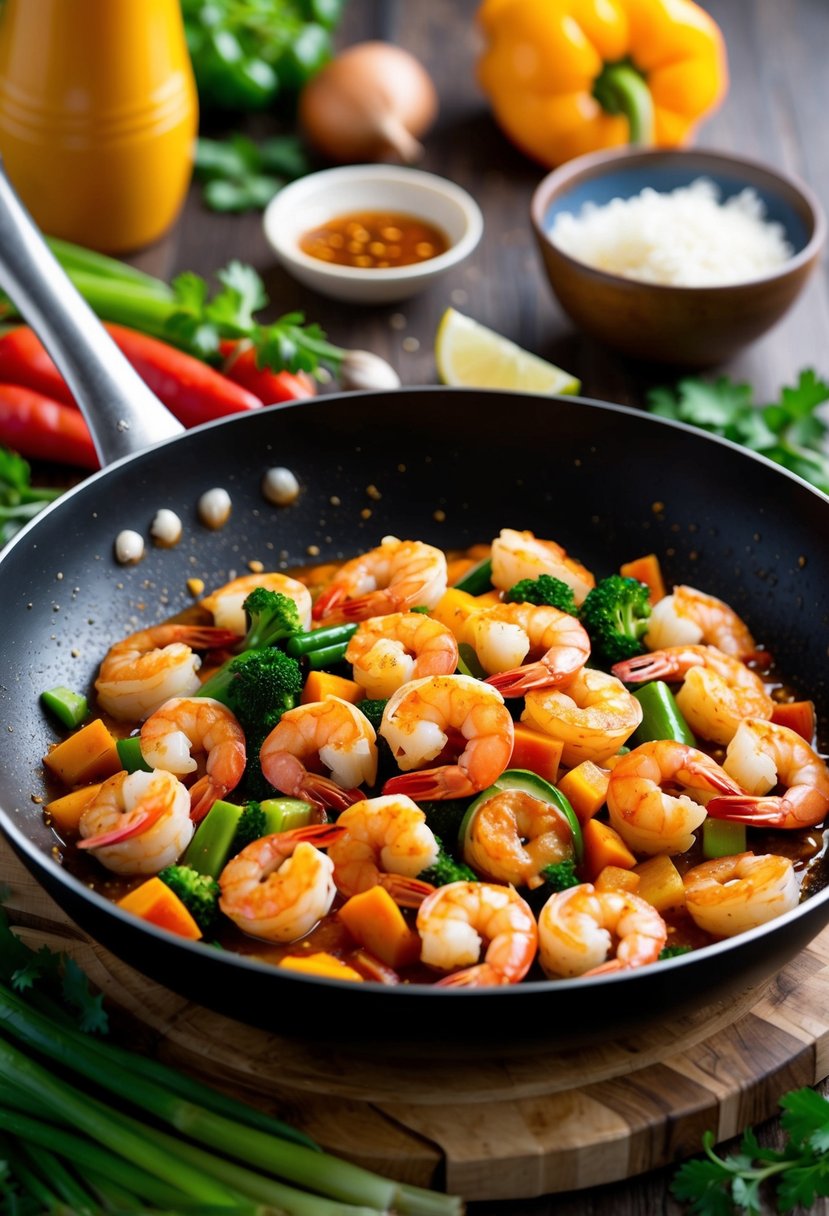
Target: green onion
x,y
661,716
477,580
68,707
316,639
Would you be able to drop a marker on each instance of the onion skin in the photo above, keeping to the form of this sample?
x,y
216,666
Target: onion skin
x,y
372,102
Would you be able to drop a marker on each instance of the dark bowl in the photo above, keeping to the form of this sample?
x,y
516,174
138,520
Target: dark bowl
x,y
687,326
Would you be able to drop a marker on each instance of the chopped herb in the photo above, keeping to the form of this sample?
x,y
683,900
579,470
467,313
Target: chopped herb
x,y
241,175
20,501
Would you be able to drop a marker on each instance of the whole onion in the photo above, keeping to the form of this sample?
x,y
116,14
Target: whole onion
x,y
370,103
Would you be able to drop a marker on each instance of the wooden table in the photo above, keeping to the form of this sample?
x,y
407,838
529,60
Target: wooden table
x,y
776,111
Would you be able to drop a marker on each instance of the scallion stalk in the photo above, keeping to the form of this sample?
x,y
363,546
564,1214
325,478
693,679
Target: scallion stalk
x,y
317,639
65,1185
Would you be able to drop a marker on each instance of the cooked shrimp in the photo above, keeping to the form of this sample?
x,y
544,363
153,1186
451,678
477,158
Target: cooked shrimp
x,y
503,635
425,717
646,816
137,823
729,895
582,931
519,555
394,577
281,885
226,603
386,841
151,666
185,724
592,715
763,756
689,616
332,733
513,836
461,919
387,651
718,690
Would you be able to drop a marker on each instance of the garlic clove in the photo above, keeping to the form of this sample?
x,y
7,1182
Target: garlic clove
x,y
214,508
361,369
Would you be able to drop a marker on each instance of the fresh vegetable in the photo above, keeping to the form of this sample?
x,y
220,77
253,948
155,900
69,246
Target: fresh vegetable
x,y
660,883
248,53
198,892
241,175
798,716
89,754
565,81
260,819
373,711
722,839
454,608
20,501
64,813
515,780
615,614
158,903
161,1138
560,875
272,617
316,639
322,684
661,716
42,429
372,102
603,846
213,839
533,750
585,787
131,756
647,570
469,664
374,921
788,431
543,590
614,878
740,1181
476,579
673,952
446,869
322,964
240,365
70,708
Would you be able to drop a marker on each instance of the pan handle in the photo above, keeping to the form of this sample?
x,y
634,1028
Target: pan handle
x,y
122,414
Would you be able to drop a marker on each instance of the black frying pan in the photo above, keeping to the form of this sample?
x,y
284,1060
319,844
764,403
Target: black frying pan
x,y
452,467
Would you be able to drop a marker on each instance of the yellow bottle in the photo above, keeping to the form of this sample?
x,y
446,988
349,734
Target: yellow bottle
x,y
98,116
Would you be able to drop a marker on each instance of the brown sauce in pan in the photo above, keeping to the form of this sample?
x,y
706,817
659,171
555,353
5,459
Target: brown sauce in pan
x,y
806,849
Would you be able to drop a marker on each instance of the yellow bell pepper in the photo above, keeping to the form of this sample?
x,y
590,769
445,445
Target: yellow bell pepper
x,y
566,77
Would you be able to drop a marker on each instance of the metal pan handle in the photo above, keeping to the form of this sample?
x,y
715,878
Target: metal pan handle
x,y
122,414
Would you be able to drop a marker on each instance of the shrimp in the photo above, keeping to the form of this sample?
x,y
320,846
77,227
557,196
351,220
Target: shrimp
x,y
689,616
137,823
762,756
580,928
226,603
519,555
281,885
503,635
387,651
460,919
425,717
200,723
730,895
646,816
332,733
513,836
718,690
394,577
386,841
591,716
146,669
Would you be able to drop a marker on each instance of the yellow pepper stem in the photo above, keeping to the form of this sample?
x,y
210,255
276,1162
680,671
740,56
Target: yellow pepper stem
x,y
621,89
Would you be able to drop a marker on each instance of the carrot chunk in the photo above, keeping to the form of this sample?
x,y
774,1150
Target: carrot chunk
x,y
374,921
155,902
65,813
322,684
585,787
646,570
603,846
614,878
534,750
322,963
799,716
88,755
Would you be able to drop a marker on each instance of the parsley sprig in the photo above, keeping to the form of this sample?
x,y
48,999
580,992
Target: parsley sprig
x,y
20,501
787,431
738,1182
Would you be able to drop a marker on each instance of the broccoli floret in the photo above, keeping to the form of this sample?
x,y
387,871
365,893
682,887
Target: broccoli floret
x,y
615,615
258,685
251,826
373,711
198,892
445,817
445,869
673,951
560,875
273,617
543,590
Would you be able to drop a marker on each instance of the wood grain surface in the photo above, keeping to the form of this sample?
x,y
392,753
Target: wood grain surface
x,y
648,1118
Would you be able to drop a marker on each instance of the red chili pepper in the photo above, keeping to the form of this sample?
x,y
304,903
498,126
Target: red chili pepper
x,y
23,360
269,386
193,391
42,429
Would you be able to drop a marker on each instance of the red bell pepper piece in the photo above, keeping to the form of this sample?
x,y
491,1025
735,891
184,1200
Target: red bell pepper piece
x,y
269,386
42,429
23,360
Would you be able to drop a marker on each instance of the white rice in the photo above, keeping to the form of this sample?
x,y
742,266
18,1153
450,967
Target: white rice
x,y
685,238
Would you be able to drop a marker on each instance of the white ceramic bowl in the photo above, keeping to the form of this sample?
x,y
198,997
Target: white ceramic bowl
x,y
310,201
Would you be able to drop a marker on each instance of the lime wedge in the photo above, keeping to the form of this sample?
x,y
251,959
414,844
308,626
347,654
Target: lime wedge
x,y
468,355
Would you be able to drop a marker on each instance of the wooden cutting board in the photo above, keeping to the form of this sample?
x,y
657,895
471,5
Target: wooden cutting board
x,y
512,1126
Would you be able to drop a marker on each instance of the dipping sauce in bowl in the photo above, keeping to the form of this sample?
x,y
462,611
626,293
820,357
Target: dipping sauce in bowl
x,y
374,239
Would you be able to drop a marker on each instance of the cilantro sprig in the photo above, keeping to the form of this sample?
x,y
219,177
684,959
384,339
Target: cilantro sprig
x,y
788,431
741,1181
239,174
20,501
